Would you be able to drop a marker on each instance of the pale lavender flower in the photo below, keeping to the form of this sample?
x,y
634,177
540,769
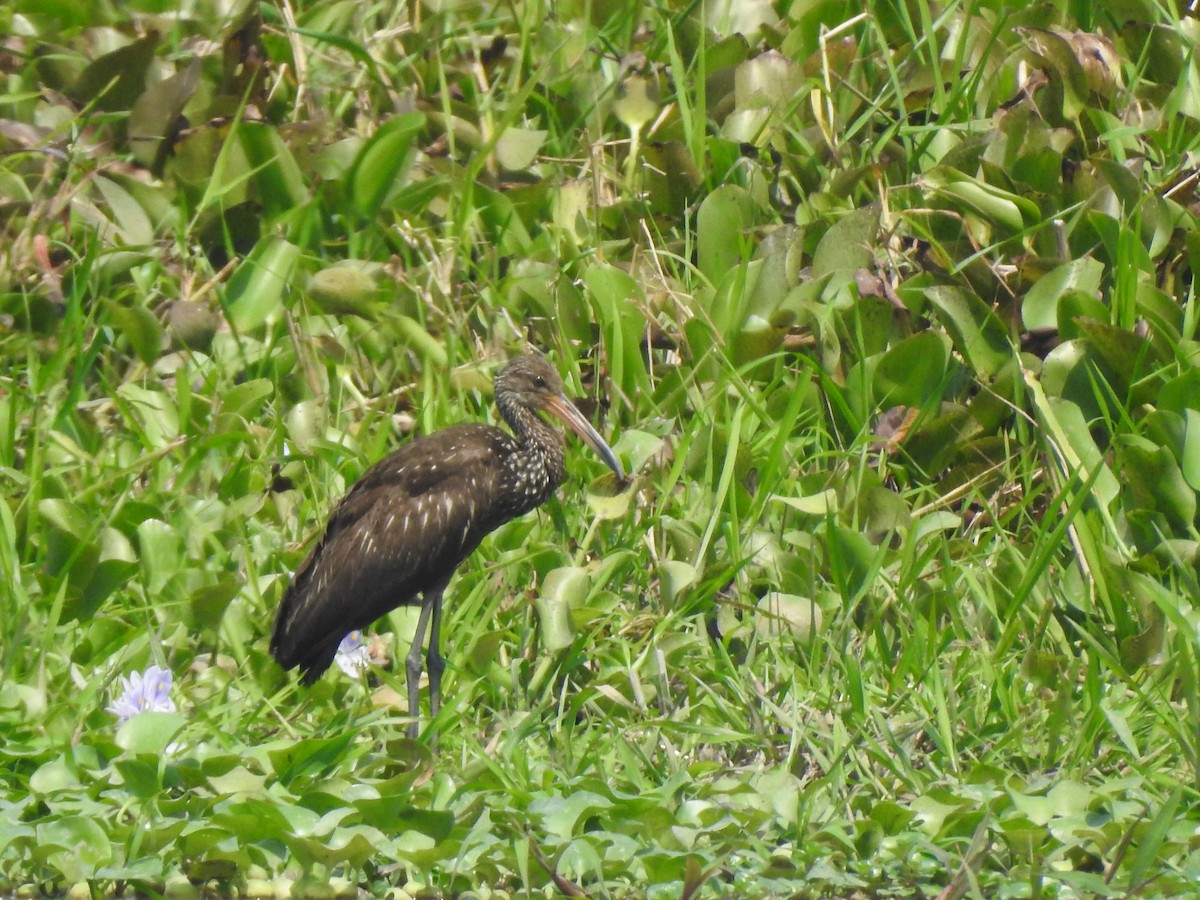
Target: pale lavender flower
x,y
148,691
352,656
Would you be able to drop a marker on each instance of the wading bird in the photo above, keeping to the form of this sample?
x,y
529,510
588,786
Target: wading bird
x,y
413,517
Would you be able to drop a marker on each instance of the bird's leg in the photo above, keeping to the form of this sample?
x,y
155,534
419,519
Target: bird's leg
x,y
434,663
412,663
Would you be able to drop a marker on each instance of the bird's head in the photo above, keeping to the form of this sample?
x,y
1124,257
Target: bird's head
x,y
530,381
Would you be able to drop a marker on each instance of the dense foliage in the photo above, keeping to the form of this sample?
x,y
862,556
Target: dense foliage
x,y
889,307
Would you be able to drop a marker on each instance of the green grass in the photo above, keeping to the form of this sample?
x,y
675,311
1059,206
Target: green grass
x,y
888,309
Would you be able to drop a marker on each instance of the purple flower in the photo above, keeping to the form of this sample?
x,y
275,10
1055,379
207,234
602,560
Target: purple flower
x,y
142,692
352,656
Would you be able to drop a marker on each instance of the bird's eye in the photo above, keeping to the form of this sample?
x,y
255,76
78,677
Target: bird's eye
x,y
539,381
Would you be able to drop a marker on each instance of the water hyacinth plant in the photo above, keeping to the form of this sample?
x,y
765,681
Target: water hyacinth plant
x,y
352,656
148,691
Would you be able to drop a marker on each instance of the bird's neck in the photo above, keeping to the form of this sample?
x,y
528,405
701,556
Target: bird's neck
x,y
541,444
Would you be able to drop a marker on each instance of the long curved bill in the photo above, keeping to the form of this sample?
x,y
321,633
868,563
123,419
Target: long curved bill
x,y
562,408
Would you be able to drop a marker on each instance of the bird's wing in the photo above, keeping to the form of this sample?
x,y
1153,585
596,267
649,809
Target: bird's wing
x,y
402,528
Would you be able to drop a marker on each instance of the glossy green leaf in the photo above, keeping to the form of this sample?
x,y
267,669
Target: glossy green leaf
x,y
849,244
912,372
996,205
150,733
383,163
563,590
1154,478
115,80
616,299
517,148
258,290
780,613
973,327
154,413
141,328
1039,309
723,230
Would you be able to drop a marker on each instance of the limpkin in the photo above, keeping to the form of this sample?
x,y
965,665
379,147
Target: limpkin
x,y
413,517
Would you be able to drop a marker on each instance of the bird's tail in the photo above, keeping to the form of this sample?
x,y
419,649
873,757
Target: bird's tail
x,y
292,645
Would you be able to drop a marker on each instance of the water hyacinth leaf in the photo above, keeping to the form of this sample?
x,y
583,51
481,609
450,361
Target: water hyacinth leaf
x,y
66,517
580,859
114,81
140,775
1075,449
383,162
882,511
608,498
853,561
563,590
422,342
392,816
616,297
306,423
1074,306
265,819
571,209
780,613
768,80
670,176
256,291
849,244
813,504
977,333
781,252
1189,461
996,205
150,733
207,604
1181,393
1151,473
160,550
637,448
560,816
156,114
154,412
133,225
1138,650
309,757
517,148
912,372
245,400
1129,356
345,290
108,576
675,576
723,230
53,776
502,222
83,845
279,184
220,865
238,780
1039,309
140,327
348,845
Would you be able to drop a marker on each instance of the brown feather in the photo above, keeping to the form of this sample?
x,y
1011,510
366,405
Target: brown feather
x,y
392,536
414,516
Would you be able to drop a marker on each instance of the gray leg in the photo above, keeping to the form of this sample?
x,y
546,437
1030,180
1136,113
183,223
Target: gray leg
x,y
412,665
433,661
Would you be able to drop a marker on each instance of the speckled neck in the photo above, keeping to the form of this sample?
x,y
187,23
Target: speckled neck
x,y
539,467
